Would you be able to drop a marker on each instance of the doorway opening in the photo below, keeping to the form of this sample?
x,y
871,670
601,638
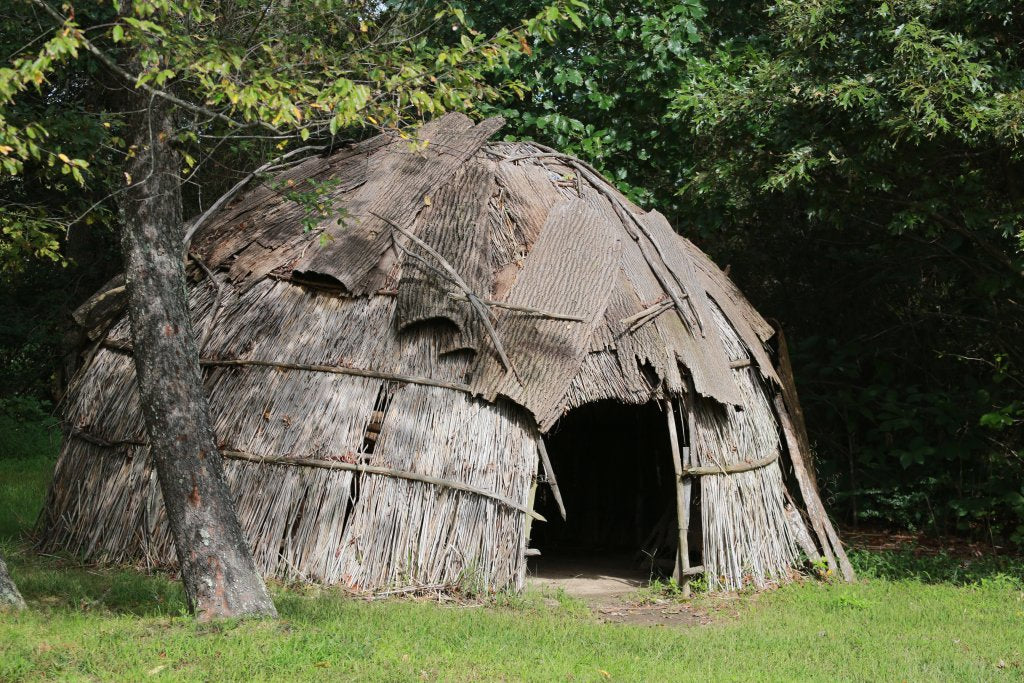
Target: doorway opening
x,y
613,464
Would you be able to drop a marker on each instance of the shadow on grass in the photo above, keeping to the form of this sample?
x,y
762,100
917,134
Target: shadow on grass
x,y
47,581
909,564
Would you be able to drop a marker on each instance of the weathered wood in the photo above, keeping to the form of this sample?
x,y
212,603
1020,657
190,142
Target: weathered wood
x,y
456,229
633,321
687,485
526,197
682,505
576,249
382,471
528,310
266,216
751,327
397,189
699,346
636,228
803,538
646,344
787,381
102,308
530,502
201,221
628,222
549,474
445,269
827,537
460,296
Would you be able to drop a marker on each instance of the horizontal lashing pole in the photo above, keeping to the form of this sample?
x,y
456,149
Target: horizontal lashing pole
x,y
382,471
230,454
330,369
729,469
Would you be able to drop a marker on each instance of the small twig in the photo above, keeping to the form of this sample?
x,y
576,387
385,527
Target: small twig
x,y
522,309
638,320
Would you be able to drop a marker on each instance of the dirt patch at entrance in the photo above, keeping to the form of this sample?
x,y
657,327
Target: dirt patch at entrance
x,y
611,589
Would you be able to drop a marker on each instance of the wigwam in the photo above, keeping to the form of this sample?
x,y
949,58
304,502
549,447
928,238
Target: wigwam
x,y
382,385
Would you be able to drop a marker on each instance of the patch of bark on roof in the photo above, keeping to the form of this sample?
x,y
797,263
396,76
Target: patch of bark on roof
x,y
586,295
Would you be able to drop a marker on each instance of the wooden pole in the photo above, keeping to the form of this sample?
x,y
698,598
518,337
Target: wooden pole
x,y
682,502
549,474
383,471
529,516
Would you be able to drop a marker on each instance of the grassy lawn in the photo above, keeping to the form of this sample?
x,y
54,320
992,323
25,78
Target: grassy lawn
x,y
910,618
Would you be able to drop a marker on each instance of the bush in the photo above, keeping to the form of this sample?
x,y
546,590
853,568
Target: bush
x,y
27,428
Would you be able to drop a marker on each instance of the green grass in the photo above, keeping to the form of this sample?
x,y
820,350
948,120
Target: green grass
x,y
916,619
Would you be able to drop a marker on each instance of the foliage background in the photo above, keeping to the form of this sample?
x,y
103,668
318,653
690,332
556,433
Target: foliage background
x,y
855,163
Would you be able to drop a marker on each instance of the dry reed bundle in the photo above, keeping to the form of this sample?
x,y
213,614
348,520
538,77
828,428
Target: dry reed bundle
x,y
367,531
747,535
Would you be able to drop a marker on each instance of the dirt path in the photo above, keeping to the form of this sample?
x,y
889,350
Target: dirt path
x,y
609,587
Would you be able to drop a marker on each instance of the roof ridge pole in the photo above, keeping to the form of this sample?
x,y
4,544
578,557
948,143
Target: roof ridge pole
x,y
682,570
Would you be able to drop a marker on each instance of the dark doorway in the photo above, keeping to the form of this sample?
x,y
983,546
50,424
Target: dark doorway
x,y
614,468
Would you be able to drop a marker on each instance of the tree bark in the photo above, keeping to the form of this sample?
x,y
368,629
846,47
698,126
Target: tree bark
x,y
10,598
216,563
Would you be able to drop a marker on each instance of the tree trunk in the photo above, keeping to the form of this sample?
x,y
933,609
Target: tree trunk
x,y
10,598
216,563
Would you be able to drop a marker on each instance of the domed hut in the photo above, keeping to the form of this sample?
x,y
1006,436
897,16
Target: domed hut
x,y
427,362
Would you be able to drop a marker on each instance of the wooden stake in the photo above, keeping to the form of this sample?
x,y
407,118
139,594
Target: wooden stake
x,y
682,502
549,474
529,518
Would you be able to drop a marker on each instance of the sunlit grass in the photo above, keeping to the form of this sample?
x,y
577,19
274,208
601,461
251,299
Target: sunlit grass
x,y
915,619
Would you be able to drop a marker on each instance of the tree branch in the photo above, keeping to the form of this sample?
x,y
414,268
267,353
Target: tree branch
x,y
111,64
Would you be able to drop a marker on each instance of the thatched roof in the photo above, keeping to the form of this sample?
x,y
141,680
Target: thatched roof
x,y
380,383
521,226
